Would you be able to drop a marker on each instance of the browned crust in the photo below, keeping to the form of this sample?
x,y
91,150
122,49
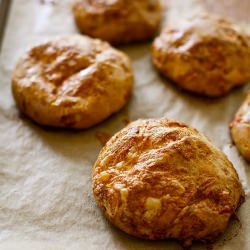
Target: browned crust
x,y
240,128
72,81
158,179
118,21
207,55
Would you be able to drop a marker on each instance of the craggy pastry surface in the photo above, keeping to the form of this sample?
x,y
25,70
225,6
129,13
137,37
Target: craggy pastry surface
x,y
161,179
206,55
72,81
118,21
46,200
240,128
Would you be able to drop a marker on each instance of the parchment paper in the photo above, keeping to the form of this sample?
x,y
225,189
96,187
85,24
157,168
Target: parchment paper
x,y
46,200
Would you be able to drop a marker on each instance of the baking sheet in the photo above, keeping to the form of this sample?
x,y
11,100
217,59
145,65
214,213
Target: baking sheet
x,y
4,11
46,201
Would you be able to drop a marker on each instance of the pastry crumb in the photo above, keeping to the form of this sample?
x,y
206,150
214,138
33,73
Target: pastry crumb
x,y
102,137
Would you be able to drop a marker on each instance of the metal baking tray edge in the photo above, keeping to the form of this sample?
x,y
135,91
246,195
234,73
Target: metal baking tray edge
x,y
5,6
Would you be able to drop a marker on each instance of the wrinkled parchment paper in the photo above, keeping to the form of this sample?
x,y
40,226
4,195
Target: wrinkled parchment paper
x,y
46,201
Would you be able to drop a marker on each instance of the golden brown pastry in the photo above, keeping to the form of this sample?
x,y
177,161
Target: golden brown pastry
x,y
72,81
240,128
159,179
206,55
118,21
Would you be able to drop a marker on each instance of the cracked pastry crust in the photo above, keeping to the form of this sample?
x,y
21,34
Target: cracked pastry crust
x,y
240,129
158,179
72,81
206,55
118,21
